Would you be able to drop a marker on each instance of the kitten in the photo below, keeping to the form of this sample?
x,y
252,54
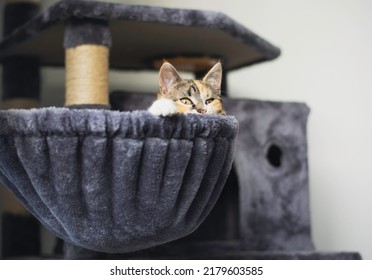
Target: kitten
x,y
177,95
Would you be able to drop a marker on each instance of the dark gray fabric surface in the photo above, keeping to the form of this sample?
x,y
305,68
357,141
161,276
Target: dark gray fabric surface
x,y
112,181
207,250
273,200
169,32
17,14
87,31
274,191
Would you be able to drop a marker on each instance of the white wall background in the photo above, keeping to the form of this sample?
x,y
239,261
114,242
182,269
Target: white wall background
x,y
326,62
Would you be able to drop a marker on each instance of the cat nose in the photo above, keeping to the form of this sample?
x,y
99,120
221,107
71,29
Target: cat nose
x,y
201,111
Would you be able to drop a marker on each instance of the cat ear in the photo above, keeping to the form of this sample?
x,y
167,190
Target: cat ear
x,y
167,77
214,76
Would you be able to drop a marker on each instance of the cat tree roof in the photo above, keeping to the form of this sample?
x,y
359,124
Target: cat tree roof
x,y
141,35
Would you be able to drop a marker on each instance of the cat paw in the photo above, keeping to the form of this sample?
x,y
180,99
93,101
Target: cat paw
x,y
163,107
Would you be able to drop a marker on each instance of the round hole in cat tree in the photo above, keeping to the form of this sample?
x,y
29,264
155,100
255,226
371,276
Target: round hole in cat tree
x,y
193,64
274,155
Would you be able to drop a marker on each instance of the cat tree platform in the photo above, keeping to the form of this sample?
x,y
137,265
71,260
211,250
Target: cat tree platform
x,y
141,36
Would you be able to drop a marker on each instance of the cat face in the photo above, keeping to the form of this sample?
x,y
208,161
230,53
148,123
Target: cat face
x,y
192,96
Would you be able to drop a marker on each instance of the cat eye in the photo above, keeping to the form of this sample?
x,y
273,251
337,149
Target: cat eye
x,y
186,101
208,101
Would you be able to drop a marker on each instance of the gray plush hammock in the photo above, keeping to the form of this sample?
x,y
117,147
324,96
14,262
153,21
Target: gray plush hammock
x,y
115,181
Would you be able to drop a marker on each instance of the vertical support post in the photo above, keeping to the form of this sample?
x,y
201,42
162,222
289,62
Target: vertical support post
x,y
21,74
87,44
21,82
20,232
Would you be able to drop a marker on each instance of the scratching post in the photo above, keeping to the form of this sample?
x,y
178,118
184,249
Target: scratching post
x,y
86,75
21,90
87,44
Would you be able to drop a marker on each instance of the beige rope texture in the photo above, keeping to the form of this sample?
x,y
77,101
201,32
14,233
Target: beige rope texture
x,y
87,75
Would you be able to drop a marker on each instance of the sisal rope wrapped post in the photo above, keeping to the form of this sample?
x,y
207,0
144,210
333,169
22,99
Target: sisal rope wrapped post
x,y
20,232
87,44
86,75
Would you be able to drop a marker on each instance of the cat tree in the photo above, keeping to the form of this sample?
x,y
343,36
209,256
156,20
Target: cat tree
x,y
120,182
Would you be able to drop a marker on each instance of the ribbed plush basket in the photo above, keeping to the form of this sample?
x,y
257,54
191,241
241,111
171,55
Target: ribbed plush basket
x,y
115,181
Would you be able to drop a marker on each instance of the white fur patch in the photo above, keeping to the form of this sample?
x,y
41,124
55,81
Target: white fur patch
x,y
163,107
